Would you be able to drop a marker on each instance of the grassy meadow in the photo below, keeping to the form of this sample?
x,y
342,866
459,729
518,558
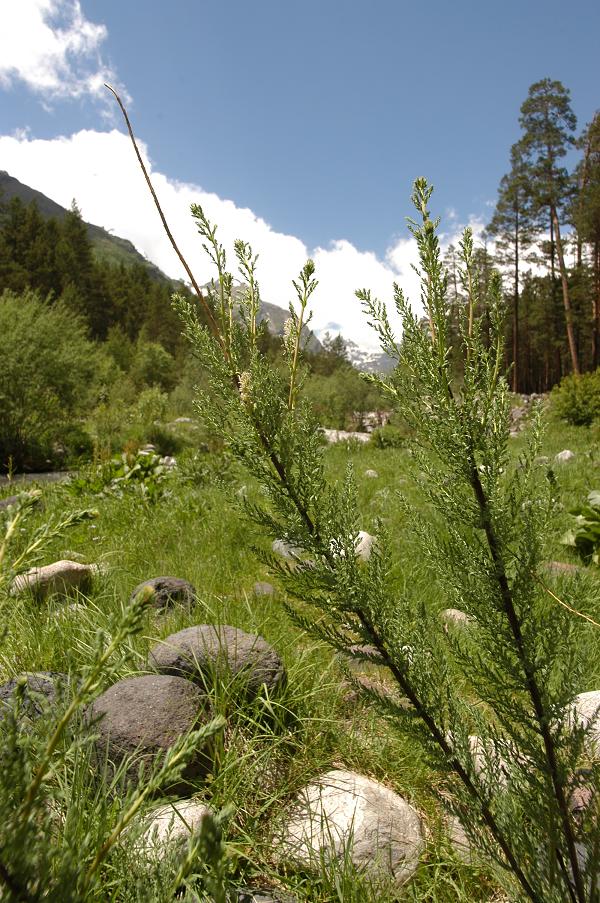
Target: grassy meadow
x,y
196,529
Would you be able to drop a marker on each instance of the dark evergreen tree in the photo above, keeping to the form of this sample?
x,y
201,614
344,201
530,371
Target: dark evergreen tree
x,y
511,228
21,229
586,219
548,124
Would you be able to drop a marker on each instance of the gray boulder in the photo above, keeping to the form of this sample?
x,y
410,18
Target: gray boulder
x,y
60,578
206,653
139,718
168,592
371,474
41,688
346,814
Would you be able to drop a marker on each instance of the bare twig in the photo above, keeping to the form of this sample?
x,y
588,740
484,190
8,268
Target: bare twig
x,y
184,263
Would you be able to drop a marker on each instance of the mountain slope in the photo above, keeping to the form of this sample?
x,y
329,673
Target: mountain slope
x,y
275,316
368,361
107,247
113,249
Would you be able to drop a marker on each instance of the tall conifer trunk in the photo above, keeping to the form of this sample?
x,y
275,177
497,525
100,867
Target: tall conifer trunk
x,y
565,293
515,372
596,307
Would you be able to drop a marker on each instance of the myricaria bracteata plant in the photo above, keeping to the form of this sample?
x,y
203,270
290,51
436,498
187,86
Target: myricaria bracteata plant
x,y
511,758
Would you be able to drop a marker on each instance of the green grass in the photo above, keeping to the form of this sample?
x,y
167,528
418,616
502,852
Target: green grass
x,y
271,747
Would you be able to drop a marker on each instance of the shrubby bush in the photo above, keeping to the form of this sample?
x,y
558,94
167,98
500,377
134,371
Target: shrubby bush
x,y
152,366
50,375
392,435
522,663
341,397
145,474
123,421
577,398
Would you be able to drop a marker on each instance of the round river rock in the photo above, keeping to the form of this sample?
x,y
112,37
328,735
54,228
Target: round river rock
x,y
344,813
141,717
207,652
171,824
40,687
60,578
167,592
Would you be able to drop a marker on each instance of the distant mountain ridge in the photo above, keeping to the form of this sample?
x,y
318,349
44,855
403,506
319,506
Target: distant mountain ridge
x,y
274,315
368,361
107,247
113,249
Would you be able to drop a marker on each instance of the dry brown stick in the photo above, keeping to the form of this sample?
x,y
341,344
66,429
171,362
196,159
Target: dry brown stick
x,y
196,287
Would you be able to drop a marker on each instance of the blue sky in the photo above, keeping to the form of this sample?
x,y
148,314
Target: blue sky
x,y
299,121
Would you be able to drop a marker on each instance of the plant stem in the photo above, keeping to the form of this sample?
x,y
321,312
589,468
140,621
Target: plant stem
x,y
19,893
299,324
445,746
530,678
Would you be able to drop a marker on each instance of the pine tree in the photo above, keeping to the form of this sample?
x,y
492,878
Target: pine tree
x,y
548,124
586,218
511,227
21,231
75,261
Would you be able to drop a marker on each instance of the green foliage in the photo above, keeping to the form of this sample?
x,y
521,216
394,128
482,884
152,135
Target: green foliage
x,y
47,774
151,405
58,257
520,668
577,398
21,547
152,366
199,468
338,395
144,473
49,372
389,436
585,535
320,720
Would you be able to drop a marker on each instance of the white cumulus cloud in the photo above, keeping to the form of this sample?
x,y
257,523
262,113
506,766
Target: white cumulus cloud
x,y
99,170
51,47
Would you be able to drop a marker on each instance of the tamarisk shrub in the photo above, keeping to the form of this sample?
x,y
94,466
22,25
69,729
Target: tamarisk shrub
x,y
524,667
